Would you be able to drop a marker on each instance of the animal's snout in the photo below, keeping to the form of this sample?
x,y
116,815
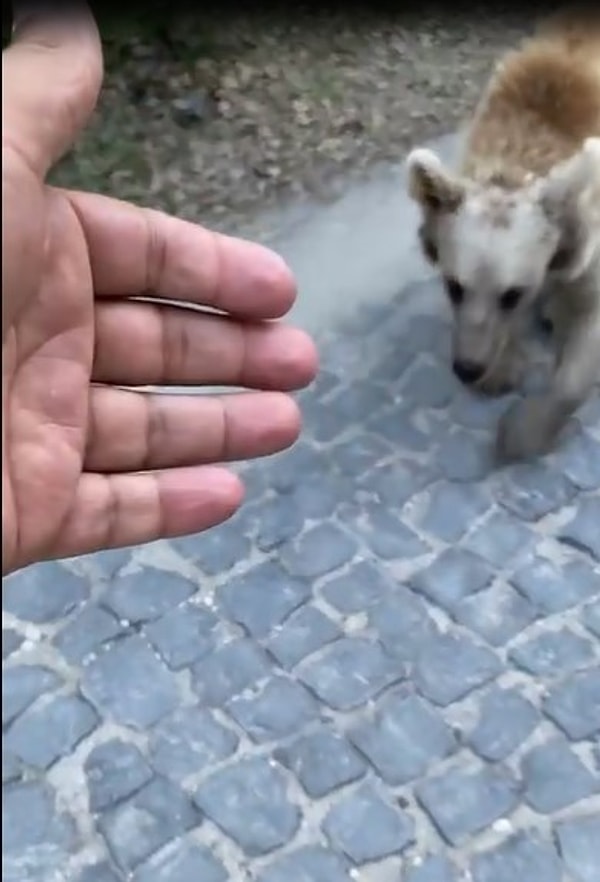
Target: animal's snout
x,y
468,372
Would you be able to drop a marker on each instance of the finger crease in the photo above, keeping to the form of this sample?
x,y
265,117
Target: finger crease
x,y
156,252
113,508
155,432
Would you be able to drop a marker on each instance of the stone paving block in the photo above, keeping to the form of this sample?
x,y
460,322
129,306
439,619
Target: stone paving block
x,y
579,460
353,401
116,683
582,530
590,616
280,707
434,868
465,456
574,704
589,414
185,635
217,550
500,538
318,552
462,802
333,419
358,454
450,666
532,491
22,685
114,770
322,761
36,836
506,719
399,481
43,593
360,587
181,861
312,863
385,535
404,738
263,597
402,624
147,821
365,827
249,802
497,613
579,844
451,509
476,411
396,426
228,671
428,385
304,632
147,594
189,741
11,641
278,522
426,332
553,653
555,778
101,872
42,735
287,470
350,671
11,767
318,495
523,856
86,633
454,574
554,588
113,560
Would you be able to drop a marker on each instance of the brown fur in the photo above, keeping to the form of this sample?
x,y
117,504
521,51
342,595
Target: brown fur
x,y
541,103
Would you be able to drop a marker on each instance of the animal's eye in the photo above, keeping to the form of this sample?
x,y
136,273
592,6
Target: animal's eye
x,y
510,299
455,290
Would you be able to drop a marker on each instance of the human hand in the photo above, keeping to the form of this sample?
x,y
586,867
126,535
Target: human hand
x,y
88,464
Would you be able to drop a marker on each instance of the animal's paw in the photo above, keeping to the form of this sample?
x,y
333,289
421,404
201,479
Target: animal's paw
x,y
527,430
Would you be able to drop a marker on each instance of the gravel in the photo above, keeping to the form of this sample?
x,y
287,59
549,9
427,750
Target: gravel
x,y
220,117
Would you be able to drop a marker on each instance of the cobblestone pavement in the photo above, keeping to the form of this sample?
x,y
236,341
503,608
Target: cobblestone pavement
x,y
385,668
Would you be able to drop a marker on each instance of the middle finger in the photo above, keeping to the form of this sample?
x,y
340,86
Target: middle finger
x,y
142,344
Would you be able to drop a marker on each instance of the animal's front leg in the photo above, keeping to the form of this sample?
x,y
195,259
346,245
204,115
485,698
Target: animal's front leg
x,y
531,427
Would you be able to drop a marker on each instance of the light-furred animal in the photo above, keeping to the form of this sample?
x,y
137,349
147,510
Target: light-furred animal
x,y
517,225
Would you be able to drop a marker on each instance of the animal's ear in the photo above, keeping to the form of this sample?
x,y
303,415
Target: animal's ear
x,y
560,198
561,190
431,185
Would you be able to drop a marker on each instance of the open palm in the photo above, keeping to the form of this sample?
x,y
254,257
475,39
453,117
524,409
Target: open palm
x,y
87,463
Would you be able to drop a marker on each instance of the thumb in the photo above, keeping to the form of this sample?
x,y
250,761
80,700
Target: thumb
x,y
51,77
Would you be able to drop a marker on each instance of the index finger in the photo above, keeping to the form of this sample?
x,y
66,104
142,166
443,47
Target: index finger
x,y
142,252
51,76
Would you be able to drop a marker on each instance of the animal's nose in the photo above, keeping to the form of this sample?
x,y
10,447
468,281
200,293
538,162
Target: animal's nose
x,y
468,372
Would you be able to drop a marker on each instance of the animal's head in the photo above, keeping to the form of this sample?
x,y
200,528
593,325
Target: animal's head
x,y
495,247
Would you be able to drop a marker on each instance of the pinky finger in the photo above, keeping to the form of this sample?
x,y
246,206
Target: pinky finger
x,y
112,511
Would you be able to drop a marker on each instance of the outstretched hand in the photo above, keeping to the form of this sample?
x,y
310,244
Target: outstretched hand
x,y
86,463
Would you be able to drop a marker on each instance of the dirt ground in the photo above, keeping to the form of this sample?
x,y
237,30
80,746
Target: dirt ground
x,y
217,117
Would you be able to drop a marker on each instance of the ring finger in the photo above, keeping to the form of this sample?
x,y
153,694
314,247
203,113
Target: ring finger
x,y
137,431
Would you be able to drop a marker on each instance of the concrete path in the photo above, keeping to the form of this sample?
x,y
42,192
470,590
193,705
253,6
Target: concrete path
x,y
385,668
